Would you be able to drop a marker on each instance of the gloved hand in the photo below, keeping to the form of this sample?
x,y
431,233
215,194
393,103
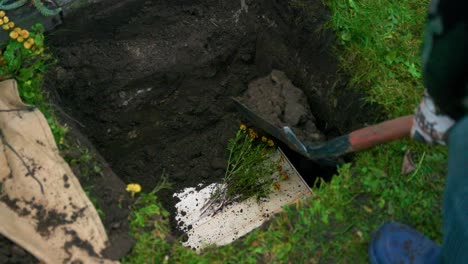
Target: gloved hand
x,y
429,125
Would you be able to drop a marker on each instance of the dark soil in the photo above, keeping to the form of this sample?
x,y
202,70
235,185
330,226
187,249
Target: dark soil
x,y
149,83
10,253
151,80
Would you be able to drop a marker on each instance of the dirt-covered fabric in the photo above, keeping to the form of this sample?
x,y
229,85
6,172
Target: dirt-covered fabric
x,y
42,205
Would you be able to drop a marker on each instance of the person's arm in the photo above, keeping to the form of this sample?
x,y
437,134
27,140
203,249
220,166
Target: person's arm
x,y
445,71
445,56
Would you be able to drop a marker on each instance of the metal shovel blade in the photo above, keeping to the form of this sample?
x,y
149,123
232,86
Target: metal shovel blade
x,y
284,134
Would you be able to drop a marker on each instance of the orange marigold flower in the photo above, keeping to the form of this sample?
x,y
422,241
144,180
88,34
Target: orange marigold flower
x,y
13,35
20,39
253,134
11,24
270,143
30,41
17,29
24,33
243,127
27,45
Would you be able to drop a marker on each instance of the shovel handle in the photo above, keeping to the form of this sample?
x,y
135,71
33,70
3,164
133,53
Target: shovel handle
x,y
384,132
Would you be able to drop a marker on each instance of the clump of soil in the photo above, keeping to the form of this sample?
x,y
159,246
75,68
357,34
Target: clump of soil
x,y
275,99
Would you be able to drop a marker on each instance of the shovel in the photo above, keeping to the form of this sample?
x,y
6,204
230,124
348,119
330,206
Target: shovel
x,y
357,140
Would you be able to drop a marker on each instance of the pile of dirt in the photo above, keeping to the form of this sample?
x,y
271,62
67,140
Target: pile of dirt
x,y
278,101
149,82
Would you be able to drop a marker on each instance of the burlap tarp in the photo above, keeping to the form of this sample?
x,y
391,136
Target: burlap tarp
x,y
42,205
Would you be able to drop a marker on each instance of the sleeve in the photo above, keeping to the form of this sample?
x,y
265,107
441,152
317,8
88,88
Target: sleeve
x,y
444,56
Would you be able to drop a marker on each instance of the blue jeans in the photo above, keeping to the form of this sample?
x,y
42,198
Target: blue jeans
x,y
455,206
398,243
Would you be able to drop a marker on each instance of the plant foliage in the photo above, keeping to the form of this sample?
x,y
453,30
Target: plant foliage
x,y
27,64
249,170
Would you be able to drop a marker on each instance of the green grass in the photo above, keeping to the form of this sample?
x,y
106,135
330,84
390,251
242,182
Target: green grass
x,y
378,46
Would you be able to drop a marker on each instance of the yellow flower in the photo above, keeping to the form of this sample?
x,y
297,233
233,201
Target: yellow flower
x,y
243,127
270,143
31,41
6,19
5,27
253,134
24,33
27,45
133,188
20,39
11,24
2,14
264,139
13,35
17,29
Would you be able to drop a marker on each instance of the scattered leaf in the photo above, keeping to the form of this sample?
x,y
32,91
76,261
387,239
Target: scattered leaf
x,y
408,164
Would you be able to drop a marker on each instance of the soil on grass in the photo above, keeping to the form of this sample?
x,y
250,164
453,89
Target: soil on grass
x,y
149,82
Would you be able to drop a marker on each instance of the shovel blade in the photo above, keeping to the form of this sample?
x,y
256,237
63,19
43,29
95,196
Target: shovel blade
x,y
284,134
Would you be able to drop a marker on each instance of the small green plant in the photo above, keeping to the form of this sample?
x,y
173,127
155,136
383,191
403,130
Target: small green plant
x,y
39,4
95,202
24,58
249,169
150,227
